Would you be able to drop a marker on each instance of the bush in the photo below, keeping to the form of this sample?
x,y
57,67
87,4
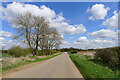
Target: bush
x,y
117,50
39,53
53,51
17,51
74,52
107,55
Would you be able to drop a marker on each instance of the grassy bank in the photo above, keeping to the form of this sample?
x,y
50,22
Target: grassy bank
x,y
91,70
28,61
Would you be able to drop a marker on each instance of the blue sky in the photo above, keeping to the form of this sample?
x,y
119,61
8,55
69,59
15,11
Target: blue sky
x,y
74,13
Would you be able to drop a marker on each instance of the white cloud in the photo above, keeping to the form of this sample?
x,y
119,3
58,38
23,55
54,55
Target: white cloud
x,y
0,12
10,11
62,36
65,28
6,34
98,11
112,22
117,38
85,43
82,39
65,44
91,18
114,12
71,37
103,33
1,38
6,44
56,20
94,43
90,44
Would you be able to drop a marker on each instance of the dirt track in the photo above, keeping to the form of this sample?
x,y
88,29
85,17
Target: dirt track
x,y
57,67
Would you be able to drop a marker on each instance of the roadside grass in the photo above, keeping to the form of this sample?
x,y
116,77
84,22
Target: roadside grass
x,y
27,62
14,65
40,59
91,70
114,68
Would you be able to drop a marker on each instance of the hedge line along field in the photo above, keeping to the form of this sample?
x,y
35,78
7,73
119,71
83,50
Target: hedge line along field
x,y
91,70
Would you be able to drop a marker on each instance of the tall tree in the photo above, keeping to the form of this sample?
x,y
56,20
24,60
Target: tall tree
x,y
24,27
29,28
51,39
36,32
40,26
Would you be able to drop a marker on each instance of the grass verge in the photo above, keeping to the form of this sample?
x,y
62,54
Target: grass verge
x,y
91,70
27,62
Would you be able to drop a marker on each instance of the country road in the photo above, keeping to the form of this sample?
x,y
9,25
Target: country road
x,y
60,66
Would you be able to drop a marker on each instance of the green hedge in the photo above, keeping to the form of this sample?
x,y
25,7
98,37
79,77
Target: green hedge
x,y
74,52
91,70
18,51
52,51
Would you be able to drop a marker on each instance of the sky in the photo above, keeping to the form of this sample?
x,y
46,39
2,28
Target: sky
x,y
85,25
60,0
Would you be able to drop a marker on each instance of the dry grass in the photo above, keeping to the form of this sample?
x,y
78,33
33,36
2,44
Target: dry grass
x,y
42,56
10,62
7,61
89,53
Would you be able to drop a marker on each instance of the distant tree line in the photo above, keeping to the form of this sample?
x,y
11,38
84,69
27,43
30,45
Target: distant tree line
x,y
75,49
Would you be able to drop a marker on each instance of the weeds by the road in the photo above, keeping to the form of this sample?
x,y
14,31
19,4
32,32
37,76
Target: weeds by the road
x,y
40,59
91,70
28,61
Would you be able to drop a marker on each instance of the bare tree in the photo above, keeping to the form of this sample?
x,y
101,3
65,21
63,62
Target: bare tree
x,y
23,26
54,39
40,27
36,32
50,40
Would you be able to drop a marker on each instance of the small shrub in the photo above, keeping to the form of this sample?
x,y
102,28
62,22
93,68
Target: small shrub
x,y
39,53
74,52
117,50
53,51
107,55
17,51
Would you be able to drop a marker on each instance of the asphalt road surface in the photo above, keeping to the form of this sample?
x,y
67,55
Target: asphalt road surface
x,y
60,66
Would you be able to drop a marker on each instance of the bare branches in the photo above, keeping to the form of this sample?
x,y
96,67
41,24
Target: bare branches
x,y
35,30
